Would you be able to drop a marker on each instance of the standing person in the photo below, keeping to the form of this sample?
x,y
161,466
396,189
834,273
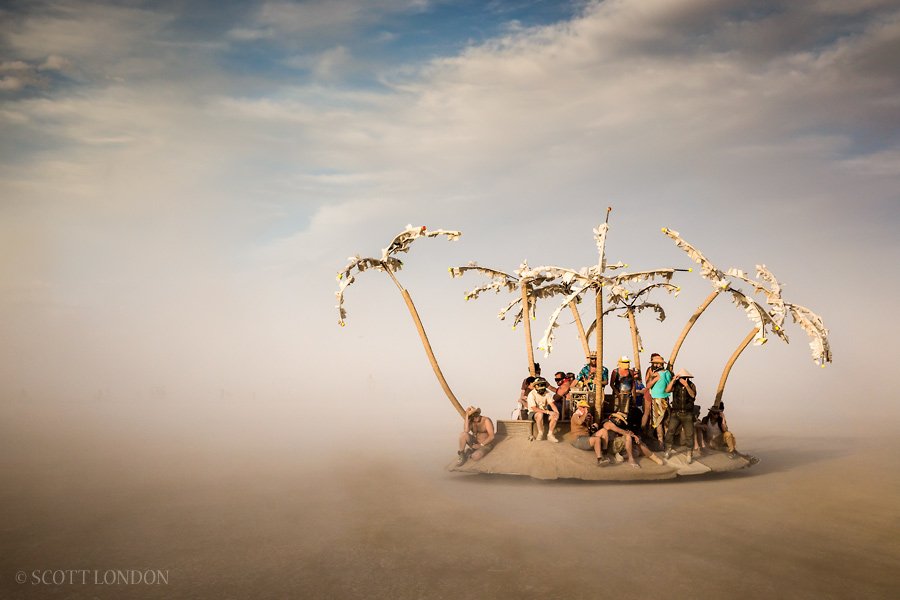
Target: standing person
x,y
658,379
681,411
715,430
581,432
586,378
622,383
540,405
476,437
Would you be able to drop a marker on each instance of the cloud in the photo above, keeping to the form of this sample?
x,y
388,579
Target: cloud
x,y
203,199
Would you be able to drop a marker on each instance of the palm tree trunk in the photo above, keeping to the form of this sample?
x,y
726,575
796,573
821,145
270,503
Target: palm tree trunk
x,y
598,376
690,324
733,358
526,317
430,353
634,342
578,323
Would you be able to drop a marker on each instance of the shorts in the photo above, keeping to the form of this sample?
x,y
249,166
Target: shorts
x,y
618,444
582,442
484,450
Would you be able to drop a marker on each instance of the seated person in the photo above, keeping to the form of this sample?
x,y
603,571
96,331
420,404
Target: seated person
x,y
540,405
476,438
527,386
582,438
714,430
561,392
623,432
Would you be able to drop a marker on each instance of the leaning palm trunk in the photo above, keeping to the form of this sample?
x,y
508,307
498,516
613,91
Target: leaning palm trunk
x,y
429,351
690,324
390,263
580,325
734,357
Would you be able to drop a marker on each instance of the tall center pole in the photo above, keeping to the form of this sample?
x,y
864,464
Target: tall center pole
x,y
526,317
598,376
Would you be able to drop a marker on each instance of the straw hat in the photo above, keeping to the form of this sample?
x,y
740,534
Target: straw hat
x,y
619,416
683,373
582,403
473,412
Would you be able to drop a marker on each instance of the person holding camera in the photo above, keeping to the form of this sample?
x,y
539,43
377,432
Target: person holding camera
x,y
584,432
681,411
658,379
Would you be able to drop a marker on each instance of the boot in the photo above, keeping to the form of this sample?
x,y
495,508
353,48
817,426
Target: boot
x,y
690,456
668,453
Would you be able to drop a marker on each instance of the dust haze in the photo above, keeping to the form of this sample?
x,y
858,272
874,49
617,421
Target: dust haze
x,y
232,502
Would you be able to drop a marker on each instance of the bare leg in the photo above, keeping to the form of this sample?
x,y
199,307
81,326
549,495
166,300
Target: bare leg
x,y
465,438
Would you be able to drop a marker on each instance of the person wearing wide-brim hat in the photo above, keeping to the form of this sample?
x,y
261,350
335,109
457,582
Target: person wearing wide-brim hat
x,y
715,431
476,437
621,432
681,411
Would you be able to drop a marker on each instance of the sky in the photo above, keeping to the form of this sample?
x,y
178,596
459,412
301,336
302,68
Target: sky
x,y
180,183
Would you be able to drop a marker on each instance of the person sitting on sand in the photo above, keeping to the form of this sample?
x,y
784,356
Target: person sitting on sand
x,y
681,412
622,432
658,378
714,430
540,404
476,438
621,380
582,420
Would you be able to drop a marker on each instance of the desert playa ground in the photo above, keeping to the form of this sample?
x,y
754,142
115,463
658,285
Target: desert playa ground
x,y
253,517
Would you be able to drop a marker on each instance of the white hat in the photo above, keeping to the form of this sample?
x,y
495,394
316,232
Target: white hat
x,y
624,359
683,373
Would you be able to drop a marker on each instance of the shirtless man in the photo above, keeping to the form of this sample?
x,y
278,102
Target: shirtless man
x,y
476,437
581,435
540,405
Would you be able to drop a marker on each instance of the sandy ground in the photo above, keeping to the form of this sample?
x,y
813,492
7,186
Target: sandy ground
x,y
818,518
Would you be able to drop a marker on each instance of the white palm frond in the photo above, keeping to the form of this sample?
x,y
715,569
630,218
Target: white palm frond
x,y
815,328
758,315
600,237
546,342
387,262
708,270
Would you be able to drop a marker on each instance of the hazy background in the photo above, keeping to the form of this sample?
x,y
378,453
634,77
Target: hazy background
x,y
181,181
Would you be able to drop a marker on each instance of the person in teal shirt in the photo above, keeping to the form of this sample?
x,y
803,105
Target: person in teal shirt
x,y
658,380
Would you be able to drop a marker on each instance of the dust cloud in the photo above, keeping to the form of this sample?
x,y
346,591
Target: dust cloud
x,y
232,507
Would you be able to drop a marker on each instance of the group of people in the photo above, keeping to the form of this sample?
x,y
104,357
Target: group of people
x,y
661,407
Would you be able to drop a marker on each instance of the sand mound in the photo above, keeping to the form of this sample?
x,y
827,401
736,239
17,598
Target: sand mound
x,y
546,460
